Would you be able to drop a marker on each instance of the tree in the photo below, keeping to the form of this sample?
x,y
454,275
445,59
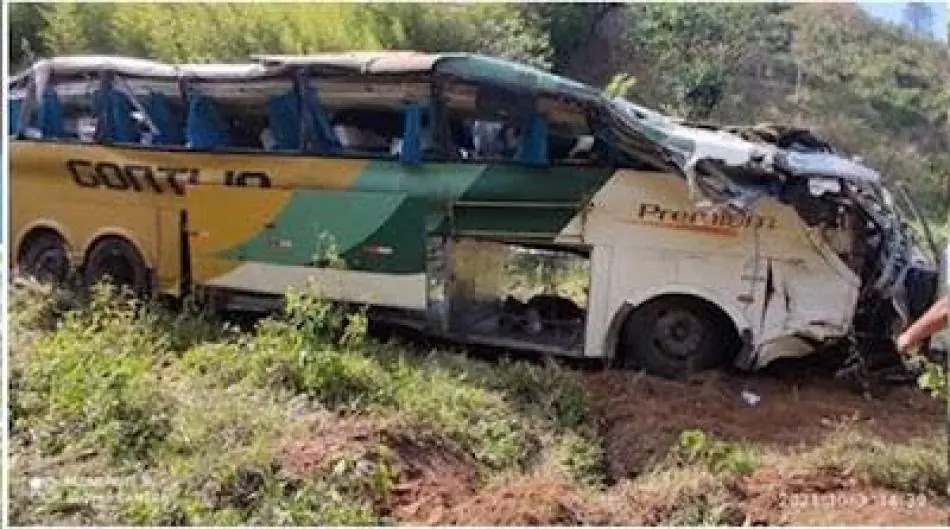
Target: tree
x,y
27,23
700,47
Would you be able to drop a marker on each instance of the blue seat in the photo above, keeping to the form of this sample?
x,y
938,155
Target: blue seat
x,y
115,114
412,134
13,108
534,141
159,110
206,129
284,120
317,121
51,114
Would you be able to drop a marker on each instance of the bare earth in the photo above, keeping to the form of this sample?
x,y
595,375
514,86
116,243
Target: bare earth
x,y
640,419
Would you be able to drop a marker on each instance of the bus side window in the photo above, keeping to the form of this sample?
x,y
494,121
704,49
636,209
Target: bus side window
x,y
571,138
491,123
369,131
66,111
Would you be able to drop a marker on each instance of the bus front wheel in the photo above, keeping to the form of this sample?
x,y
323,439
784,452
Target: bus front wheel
x,y
676,336
45,259
116,260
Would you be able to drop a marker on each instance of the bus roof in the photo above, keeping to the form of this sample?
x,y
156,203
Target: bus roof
x,y
469,66
78,64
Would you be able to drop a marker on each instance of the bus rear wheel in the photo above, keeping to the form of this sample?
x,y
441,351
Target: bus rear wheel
x,y
45,259
117,261
677,336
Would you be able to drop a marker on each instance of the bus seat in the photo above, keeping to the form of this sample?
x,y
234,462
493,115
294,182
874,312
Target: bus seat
x,y
51,114
159,110
411,148
115,111
325,140
206,129
534,142
13,108
284,120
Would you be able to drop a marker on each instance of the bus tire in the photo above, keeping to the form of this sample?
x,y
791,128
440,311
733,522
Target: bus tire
x,y
45,258
118,261
677,336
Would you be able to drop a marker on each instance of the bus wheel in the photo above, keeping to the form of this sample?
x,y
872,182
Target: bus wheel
x,y
45,259
116,260
677,336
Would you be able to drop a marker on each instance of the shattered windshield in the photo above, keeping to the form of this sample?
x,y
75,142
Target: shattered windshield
x,y
687,145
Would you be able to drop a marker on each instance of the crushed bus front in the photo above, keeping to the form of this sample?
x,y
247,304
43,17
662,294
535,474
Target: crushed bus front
x,y
850,214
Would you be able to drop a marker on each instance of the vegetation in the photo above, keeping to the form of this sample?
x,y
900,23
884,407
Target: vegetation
x,y
202,410
128,413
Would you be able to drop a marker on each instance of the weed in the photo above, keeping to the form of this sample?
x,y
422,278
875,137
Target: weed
x,y
720,457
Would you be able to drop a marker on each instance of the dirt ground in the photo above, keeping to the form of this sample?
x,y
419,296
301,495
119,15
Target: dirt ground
x,y
640,418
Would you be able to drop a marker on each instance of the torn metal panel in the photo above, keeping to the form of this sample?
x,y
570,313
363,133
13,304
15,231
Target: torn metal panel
x,y
852,213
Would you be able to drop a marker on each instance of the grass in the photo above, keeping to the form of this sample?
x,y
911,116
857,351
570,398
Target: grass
x,y
112,388
130,414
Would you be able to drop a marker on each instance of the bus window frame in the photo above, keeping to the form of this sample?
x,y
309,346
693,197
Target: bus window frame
x,y
442,151
591,116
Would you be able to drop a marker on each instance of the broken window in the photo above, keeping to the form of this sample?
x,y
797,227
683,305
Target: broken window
x,y
499,124
375,117
251,114
60,108
484,123
507,292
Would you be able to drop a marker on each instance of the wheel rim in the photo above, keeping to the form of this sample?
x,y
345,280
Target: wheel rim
x,y
678,333
50,265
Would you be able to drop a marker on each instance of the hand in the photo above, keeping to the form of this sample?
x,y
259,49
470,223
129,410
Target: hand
x,y
903,344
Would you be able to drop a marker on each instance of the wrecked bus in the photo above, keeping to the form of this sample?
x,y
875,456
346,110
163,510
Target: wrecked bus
x,y
462,195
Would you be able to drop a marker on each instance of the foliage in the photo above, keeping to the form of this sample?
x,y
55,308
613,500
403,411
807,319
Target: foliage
x,y
933,379
113,387
700,46
620,85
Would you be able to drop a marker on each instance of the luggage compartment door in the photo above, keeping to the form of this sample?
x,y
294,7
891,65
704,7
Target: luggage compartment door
x,y
363,247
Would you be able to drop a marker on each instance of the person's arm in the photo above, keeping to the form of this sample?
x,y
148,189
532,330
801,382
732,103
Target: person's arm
x,y
933,321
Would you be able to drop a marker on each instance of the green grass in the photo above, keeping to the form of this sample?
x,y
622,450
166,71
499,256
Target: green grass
x,y
112,388
131,414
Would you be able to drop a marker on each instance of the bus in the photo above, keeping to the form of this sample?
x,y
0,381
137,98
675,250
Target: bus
x,y
465,196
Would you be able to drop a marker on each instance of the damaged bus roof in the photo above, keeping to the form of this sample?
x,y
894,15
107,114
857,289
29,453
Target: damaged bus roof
x,y
82,64
465,66
654,137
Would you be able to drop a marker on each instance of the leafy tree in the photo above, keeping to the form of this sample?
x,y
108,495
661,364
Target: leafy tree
x,y
699,47
568,26
27,22
501,30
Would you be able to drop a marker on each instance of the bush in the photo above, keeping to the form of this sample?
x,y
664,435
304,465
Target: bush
x,y
202,408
